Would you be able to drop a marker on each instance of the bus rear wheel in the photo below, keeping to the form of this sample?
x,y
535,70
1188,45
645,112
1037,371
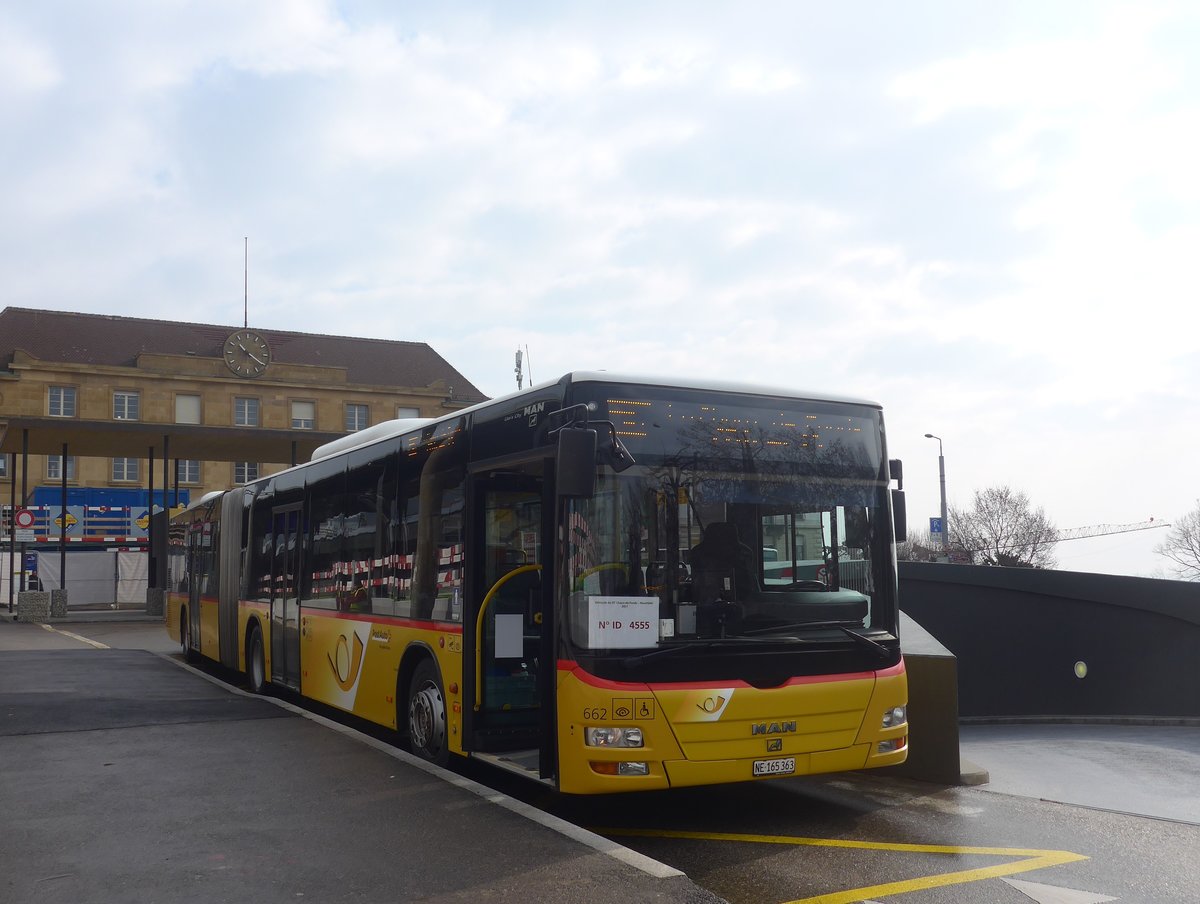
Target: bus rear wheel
x,y
185,637
256,663
427,715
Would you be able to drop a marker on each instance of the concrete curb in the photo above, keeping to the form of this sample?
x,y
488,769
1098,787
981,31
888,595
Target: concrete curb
x,y
971,774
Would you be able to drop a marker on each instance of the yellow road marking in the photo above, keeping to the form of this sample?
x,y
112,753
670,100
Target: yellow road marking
x,y
1032,859
79,637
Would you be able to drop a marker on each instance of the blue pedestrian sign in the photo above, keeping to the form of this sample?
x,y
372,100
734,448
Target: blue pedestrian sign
x,y
935,525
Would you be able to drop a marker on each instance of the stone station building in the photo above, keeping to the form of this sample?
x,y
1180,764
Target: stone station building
x,y
105,418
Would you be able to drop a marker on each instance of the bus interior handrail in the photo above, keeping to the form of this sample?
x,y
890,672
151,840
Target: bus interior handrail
x,y
479,627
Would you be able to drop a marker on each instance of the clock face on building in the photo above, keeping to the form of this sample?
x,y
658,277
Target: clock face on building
x,y
247,353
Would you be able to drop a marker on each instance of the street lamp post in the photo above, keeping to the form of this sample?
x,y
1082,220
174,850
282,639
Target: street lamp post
x,y
942,481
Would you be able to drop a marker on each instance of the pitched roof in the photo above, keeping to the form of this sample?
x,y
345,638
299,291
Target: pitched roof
x,y
103,339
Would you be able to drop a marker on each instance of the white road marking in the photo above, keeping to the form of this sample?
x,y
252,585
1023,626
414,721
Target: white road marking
x,y
1052,894
79,637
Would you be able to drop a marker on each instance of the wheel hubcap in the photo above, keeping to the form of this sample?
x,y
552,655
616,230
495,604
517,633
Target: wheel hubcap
x,y
427,718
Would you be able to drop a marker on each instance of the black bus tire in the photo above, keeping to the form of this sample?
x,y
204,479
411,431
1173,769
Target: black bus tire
x,y
427,714
185,637
256,662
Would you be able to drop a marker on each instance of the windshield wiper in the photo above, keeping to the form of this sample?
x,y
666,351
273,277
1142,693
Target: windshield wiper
x,y
884,652
773,629
847,627
631,661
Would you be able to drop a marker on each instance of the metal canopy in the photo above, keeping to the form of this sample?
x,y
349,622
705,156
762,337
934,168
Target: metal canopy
x,y
135,439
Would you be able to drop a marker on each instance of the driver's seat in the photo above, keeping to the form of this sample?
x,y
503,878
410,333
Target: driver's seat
x,y
720,556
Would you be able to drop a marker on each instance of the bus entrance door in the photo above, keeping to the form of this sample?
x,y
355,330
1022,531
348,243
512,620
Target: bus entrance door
x,y
285,602
506,623
198,568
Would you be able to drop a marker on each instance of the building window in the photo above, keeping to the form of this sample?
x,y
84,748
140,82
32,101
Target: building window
x,y
62,401
54,467
125,406
187,409
3,466
245,471
187,470
245,412
356,417
303,415
125,469
402,411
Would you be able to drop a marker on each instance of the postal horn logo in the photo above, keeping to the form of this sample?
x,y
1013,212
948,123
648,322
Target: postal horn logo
x,y
346,664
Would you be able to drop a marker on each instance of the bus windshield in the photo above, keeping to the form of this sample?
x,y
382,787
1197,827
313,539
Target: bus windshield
x,y
744,520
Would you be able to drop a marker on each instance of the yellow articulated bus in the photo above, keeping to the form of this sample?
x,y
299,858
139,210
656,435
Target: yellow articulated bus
x,y
579,583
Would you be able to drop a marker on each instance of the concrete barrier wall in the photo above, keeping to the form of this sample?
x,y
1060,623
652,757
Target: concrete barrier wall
x,y
932,711
1018,633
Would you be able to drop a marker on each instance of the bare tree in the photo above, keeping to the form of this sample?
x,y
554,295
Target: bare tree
x,y
919,547
1003,528
1182,546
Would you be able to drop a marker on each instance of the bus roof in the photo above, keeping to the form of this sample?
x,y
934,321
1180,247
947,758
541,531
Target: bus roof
x,y
382,430
393,428
603,376
205,499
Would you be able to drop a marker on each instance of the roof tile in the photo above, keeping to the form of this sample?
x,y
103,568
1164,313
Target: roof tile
x,y
117,341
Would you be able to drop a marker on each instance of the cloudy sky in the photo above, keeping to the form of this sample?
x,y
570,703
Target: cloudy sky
x,y
986,216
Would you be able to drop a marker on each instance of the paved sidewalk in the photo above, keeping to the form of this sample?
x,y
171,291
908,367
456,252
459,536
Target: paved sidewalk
x,y
125,776
88,616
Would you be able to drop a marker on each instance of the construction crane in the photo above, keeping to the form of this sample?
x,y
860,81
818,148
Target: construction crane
x,y
1101,530
1074,533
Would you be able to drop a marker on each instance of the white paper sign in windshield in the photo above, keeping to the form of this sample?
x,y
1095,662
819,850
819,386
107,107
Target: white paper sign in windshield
x,y
622,622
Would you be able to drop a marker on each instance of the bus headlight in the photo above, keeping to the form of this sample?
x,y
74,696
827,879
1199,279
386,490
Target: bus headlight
x,y
897,715
613,737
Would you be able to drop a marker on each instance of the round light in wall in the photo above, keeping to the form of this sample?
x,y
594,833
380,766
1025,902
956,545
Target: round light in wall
x,y
1081,669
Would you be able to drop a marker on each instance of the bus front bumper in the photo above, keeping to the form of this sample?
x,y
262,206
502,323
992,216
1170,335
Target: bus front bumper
x,y
598,778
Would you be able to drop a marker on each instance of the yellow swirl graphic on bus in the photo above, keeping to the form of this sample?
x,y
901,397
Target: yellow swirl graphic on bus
x,y
345,666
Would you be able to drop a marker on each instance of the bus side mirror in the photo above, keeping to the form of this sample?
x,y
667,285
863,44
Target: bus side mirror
x,y
899,516
575,469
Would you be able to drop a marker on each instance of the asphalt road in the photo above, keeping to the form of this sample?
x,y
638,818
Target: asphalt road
x,y
1148,770
861,837
118,635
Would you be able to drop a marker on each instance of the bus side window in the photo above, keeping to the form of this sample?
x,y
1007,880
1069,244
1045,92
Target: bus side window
x,y
260,547
437,560
404,548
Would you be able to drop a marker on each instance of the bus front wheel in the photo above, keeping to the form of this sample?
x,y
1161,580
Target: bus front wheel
x,y
427,715
256,664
